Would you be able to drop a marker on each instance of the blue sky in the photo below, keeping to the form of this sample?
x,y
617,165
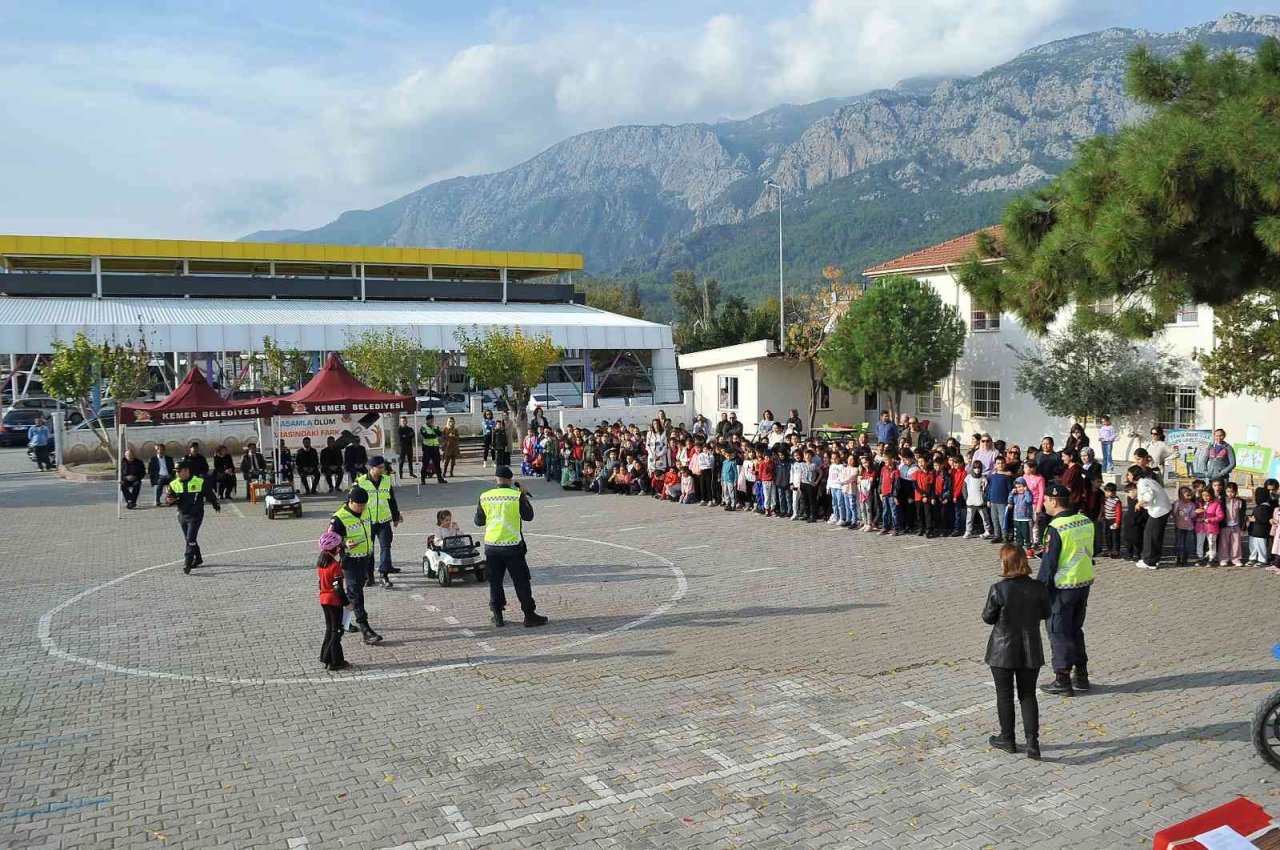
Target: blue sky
x,y
213,119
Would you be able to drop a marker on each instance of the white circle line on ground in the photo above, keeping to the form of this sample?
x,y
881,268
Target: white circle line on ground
x,y
45,628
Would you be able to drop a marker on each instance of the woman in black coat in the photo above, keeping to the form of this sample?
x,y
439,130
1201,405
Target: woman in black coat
x,y
1015,606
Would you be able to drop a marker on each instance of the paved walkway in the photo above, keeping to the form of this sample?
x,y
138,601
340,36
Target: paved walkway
x,y
707,681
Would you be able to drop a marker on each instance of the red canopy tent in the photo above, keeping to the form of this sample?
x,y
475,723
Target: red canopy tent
x,y
335,390
194,401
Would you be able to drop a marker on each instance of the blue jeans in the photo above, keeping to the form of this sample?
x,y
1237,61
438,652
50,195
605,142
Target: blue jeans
x,y
382,533
1107,465
889,513
782,498
1184,542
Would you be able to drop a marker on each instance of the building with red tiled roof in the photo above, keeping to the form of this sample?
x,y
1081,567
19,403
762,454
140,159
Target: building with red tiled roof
x,y
934,258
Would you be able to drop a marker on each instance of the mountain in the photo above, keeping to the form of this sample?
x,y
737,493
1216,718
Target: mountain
x,y
863,178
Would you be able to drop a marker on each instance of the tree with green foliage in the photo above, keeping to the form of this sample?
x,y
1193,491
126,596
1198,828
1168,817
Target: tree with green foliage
x,y
1184,207
70,375
286,368
511,362
810,320
1245,357
897,337
1086,373
614,297
390,360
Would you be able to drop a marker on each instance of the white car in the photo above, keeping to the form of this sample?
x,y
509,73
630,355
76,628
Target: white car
x,y
544,400
48,405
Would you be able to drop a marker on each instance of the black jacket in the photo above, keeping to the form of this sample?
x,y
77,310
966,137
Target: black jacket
x,y
153,469
1015,606
331,458
131,468
308,460
252,464
198,464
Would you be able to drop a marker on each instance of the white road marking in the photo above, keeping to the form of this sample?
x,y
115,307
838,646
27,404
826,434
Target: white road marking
x,y
455,817
468,633
631,528
918,546
590,516
759,570
44,628
235,509
298,843
923,709
486,646
453,621
593,782
418,596
719,758
665,788
687,548
827,733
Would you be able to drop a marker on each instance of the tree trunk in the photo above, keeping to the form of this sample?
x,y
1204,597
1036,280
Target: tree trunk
x,y
894,399
813,392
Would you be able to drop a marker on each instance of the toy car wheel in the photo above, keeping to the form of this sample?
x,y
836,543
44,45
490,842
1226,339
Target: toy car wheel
x,y
426,566
444,576
297,511
271,513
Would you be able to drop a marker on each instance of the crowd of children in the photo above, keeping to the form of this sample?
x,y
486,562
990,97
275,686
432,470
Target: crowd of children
x,y
911,485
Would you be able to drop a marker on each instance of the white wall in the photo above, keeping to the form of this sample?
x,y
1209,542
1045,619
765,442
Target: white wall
x,y
640,414
771,383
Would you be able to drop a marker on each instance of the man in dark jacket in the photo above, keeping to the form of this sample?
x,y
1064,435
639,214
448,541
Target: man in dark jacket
x,y
404,441
331,464
189,493
355,460
130,478
195,460
160,471
253,465
308,460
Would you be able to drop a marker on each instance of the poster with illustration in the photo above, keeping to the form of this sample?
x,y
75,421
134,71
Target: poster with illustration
x,y
319,427
1252,458
1186,444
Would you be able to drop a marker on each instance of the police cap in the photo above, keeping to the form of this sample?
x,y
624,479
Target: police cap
x,y
358,495
1057,491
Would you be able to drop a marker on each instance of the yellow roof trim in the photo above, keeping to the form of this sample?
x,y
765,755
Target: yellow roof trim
x,y
86,246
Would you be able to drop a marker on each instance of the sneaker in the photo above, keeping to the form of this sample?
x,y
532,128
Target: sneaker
x,y
352,628
967,535
986,536
1058,688
1143,565
394,570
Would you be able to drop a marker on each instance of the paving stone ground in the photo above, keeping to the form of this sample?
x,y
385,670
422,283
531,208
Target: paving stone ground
x,y
707,681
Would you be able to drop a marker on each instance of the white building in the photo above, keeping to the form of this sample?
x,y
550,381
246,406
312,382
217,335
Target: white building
x,y
980,394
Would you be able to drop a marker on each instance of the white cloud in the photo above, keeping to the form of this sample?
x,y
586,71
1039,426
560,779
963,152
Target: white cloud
x,y
139,137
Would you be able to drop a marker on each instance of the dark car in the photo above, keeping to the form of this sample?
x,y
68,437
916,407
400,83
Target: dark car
x,y
13,428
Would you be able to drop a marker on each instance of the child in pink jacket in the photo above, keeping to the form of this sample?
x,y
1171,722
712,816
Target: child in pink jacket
x,y
1035,486
1208,522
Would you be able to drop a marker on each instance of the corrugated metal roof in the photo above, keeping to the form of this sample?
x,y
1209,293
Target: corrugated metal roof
x,y
29,325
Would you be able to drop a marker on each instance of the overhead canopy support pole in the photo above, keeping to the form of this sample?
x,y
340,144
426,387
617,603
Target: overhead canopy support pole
x,y
96,264
362,293
504,284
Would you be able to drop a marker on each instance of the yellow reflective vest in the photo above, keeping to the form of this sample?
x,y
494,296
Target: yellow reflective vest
x,y
359,537
1075,563
501,507
379,507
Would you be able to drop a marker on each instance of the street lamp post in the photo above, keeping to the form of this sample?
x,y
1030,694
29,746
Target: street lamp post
x,y
782,321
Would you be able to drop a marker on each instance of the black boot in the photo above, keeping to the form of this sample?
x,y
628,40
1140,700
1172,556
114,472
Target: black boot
x,y
370,636
386,580
1033,748
1081,682
495,615
199,558
186,562
1006,744
532,621
1060,686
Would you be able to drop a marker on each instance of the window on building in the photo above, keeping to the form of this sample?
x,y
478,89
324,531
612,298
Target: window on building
x,y
930,403
981,320
727,391
1179,408
870,401
985,400
1105,306
1184,314
824,396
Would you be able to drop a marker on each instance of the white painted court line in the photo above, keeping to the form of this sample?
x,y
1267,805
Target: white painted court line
x,y
298,843
453,621
759,570
590,516
917,546
486,646
455,817
687,548
235,509
432,608
665,788
827,733
593,782
719,758
631,528
923,709
416,596
468,633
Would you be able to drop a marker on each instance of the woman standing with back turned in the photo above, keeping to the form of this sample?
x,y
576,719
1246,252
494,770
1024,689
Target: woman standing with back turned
x,y
1015,606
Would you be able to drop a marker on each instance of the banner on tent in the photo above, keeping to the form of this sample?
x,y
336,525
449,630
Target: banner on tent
x,y
291,429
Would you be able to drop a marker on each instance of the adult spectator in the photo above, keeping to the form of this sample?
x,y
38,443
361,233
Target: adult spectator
x,y
429,436
886,430
1015,606
1158,450
309,466
40,440
1091,468
355,462
1066,568
722,427
1013,457
404,442
160,471
765,428
775,435
1076,439
331,464
538,420
253,466
223,472
1073,478
700,428
735,428
502,441
655,441
986,454
195,461
921,440
1217,459
131,472
1153,499
486,433
1048,463
794,423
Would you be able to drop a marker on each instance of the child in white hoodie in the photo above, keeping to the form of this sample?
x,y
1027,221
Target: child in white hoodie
x,y
975,498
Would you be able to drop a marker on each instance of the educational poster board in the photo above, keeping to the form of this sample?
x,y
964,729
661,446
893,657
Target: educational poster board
x,y
1252,458
1186,444
319,428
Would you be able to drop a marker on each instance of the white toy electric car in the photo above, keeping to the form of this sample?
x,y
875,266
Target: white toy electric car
x,y
455,556
282,499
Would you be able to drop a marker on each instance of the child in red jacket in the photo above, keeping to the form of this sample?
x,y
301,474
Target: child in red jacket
x,y
332,600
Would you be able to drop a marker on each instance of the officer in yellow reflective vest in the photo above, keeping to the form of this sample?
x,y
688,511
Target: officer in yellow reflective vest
x,y
430,437
349,523
382,513
502,511
188,492
1066,568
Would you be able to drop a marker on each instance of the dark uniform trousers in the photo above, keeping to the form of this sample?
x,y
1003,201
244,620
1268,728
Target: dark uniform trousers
x,y
430,461
381,532
1066,627
355,572
500,560
191,532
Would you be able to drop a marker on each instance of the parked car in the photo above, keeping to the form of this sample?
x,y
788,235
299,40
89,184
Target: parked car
x,y
106,418
47,406
14,425
544,400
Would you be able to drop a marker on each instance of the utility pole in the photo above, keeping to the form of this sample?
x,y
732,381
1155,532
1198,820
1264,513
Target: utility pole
x,y
782,309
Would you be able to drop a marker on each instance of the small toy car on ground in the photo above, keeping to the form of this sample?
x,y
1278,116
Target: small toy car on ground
x,y
282,498
454,556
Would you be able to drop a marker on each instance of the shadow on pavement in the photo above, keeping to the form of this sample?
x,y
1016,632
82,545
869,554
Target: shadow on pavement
x,y
1102,750
1181,681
